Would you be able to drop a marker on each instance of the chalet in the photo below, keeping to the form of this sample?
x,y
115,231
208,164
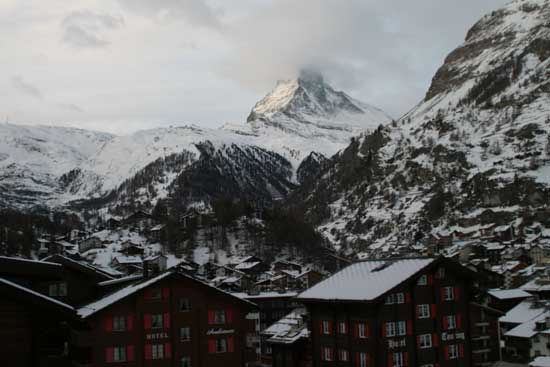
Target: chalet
x,y
89,244
140,220
400,312
34,329
288,340
485,334
506,299
308,279
286,265
155,264
131,249
171,319
128,264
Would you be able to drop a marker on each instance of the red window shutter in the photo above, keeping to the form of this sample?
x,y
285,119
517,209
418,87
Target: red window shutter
x,y
446,352
445,323
331,354
148,351
166,320
108,324
390,360
406,359
435,340
147,321
409,327
356,330
210,317
430,279
457,293
367,330
167,350
357,359
109,355
434,311
461,350
408,297
321,331
459,321
229,316
130,353
130,323
230,344
368,359
211,346
418,341
165,293
147,294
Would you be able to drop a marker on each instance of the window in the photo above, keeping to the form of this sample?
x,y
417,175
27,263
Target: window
x,y
156,321
448,293
423,280
326,327
453,351
451,322
362,359
440,273
423,311
185,333
390,300
185,306
390,328
343,355
398,360
400,298
119,354
361,330
219,317
425,341
342,327
401,328
157,351
119,323
185,362
327,354
155,293
221,346
57,290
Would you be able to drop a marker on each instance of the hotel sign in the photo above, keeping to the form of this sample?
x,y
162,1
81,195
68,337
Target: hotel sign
x,y
156,336
450,337
401,343
220,331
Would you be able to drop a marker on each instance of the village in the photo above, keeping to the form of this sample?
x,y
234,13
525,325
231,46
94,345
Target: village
x,y
467,296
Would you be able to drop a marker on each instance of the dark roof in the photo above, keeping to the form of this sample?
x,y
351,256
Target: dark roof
x,y
18,267
79,266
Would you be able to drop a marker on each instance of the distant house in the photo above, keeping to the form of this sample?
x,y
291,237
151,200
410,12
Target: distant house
x,y
288,339
155,264
128,264
506,299
89,244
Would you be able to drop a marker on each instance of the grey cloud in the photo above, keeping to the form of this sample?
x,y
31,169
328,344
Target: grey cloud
x,y
193,12
26,88
86,29
362,45
71,107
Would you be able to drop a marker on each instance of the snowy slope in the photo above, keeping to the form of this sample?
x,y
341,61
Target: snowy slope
x,y
475,146
55,166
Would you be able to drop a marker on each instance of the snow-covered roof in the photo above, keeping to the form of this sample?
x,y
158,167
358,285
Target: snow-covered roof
x,y
528,328
542,361
265,295
523,312
247,265
509,293
288,329
128,260
537,285
36,294
129,278
365,281
28,260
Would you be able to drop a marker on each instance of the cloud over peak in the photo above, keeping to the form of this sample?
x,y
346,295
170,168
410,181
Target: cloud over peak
x,y
87,29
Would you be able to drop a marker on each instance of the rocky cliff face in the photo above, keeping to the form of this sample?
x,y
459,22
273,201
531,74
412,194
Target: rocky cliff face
x,y
474,151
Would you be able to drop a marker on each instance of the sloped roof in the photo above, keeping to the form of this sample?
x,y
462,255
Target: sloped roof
x,y
36,295
523,312
509,293
365,281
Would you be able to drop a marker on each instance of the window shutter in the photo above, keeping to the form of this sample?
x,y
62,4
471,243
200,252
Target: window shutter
x,y
130,323
321,331
434,311
356,329
461,350
408,297
430,279
357,359
167,350
147,321
165,293
332,354
229,316
406,359
230,344
211,346
367,330
457,293
322,354
390,360
368,359
445,322
446,352
409,327
109,354
147,294
459,321
330,327
148,351
210,317
130,353
435,340
108,324
418,341
166,320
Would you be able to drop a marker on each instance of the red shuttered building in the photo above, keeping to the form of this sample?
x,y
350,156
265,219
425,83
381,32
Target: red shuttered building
x,y
402,312
169,320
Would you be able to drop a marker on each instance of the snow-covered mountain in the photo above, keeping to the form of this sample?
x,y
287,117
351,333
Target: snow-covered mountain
x,y
301,120
475,151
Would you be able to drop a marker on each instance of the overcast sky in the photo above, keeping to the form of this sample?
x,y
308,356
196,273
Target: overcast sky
x,y
124,65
